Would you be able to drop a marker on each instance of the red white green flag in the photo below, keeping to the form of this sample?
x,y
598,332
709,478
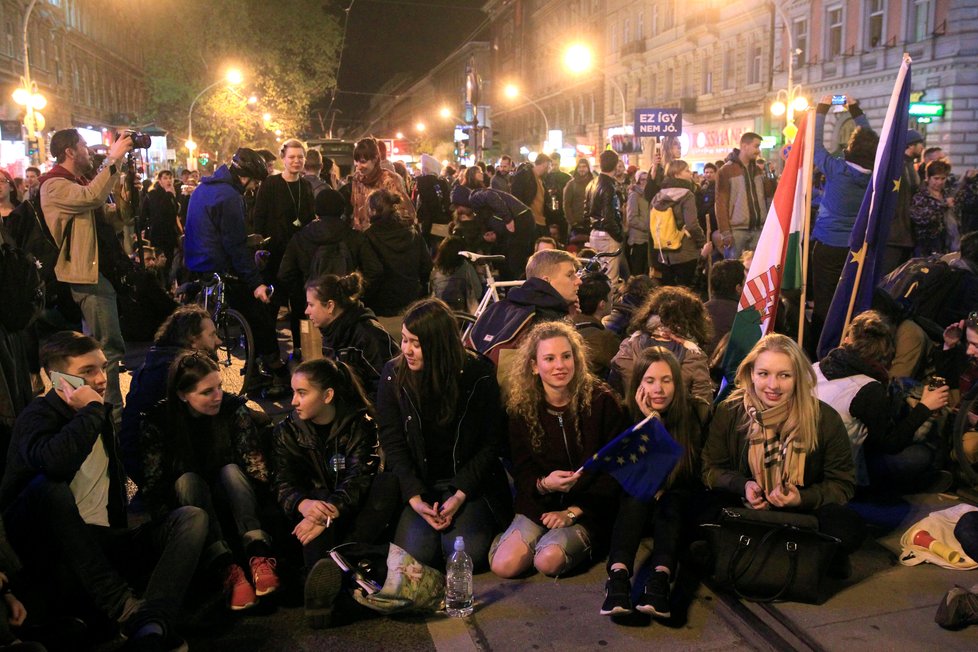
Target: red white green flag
x,y
777,259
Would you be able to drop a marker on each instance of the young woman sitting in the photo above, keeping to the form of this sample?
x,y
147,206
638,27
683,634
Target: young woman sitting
x,y
774,445
201,447
441,426
560,415
351,332
657,390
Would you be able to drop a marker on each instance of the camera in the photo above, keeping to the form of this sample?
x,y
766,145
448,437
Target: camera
x,y
139,139
936,382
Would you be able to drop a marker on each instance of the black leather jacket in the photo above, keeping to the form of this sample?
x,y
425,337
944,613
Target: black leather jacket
x,y
602,206
302,461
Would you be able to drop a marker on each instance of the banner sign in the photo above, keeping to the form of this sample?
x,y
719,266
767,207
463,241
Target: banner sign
x,y
658,122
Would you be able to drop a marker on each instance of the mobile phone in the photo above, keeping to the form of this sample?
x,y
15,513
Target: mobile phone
x,y
936,382
74,381
839,100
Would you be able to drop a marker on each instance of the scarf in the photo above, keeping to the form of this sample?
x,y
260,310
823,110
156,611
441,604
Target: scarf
x,y
775,458
362,186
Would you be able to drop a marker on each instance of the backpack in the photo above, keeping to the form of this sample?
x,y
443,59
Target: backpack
x,y
30,233
332,258
20,277
666,232
919,288
455,292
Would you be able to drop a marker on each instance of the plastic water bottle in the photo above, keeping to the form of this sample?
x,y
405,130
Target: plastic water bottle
x,y
458,580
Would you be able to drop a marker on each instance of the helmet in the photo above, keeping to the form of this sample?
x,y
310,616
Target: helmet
x,y
249,163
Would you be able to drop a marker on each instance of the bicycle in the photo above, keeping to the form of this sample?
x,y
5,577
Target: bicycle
x,y
466,320
594,264
236,352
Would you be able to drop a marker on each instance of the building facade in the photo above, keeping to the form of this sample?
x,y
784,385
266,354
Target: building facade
x,y
723,64
86,60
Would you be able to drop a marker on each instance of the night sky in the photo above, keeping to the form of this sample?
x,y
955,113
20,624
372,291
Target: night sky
x,y
387,37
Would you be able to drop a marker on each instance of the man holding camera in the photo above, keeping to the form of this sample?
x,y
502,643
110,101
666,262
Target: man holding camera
x,y
69,201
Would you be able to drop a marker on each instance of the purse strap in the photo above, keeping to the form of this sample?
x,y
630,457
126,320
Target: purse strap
x,y
743,544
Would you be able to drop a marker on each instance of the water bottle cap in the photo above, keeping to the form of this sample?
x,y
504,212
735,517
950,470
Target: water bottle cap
x,y
459,544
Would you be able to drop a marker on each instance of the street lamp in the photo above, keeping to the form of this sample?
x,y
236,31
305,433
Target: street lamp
x,y
27,95
512,92
578,59
420,127
445,112
233,77
789,100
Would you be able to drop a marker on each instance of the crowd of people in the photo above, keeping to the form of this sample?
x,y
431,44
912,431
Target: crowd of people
x,y
404,432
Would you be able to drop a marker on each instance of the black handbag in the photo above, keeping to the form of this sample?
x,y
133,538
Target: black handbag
x,y
766,556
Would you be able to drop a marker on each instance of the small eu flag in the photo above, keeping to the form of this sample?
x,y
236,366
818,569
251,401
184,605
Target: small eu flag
x,y
641,458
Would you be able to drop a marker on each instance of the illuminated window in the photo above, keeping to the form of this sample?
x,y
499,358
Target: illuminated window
x,y
875,10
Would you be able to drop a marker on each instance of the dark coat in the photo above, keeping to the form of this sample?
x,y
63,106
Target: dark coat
x,y
504,321
299,254
275,210
159,214
237,430
432,196
480,430
358,339
830,473
148,387
603,207
302,461
407,266
53,440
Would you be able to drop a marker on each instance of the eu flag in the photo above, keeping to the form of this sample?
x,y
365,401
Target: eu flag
x,y
641,458
862,271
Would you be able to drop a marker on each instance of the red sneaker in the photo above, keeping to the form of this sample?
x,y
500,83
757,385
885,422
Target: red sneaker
x,y
240,593
263,572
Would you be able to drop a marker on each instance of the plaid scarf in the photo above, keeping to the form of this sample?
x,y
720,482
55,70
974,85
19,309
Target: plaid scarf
x,y
774,457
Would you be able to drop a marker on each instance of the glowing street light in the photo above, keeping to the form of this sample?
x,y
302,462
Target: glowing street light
x,y
399,135
266,117
578,58
445,112
253,99
190,145
512,91
234,77
420,127
778,109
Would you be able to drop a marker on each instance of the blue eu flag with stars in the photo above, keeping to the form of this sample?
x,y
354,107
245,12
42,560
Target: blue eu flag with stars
x,y
640,459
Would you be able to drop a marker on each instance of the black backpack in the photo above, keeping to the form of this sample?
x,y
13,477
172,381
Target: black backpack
x,y
919,288
332,258
456,292
23,288
30,232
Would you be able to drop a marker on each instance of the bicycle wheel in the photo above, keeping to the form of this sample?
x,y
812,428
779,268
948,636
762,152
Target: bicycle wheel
x,y
236,353
464,320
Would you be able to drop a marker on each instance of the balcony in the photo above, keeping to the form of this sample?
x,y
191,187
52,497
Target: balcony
x,y
634,47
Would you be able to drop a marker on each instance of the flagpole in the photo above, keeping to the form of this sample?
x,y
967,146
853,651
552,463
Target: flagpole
x,y
635,427
806,224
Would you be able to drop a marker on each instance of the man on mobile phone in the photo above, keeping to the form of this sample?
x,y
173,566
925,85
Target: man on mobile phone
x,y
63,498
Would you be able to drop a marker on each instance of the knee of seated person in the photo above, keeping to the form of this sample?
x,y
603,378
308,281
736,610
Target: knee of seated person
x,y
550,560
187,485
509,565
191,519
232,473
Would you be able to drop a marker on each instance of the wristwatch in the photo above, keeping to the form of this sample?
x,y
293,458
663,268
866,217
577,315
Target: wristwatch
x,y
572,516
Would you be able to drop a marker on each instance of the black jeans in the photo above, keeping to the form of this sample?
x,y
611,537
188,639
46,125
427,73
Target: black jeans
x,y
474,521
681,274
234,491
44,527
638,259
666,519
257,314
827,265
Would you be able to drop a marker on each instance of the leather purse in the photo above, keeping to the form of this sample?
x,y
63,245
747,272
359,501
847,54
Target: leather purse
x,y
768,556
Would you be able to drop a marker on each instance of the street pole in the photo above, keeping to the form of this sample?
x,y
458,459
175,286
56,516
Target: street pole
x,y
621,96
546,123
30,124
790,114
190,122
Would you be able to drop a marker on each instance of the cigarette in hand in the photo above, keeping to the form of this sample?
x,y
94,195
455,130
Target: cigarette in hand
x,y
329,521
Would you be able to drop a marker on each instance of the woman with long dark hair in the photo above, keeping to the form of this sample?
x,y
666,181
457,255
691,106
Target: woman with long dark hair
x,y
441,426
559,415
351,331
657,390
202,448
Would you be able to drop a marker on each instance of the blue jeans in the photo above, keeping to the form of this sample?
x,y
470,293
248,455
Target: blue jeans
x,y
235,491
100,312
473,521
44,526
904,472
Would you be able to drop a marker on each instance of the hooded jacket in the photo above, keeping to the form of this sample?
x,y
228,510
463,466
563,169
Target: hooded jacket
x,y
215,238
406,262
677,197
504,322
845,185
358,339
69,203
637,216
301,459
299,254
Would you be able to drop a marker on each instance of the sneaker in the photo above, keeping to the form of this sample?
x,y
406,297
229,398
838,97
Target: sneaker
x,y
655,598
240,593
958,609
617,594
340,560
263,573
323,584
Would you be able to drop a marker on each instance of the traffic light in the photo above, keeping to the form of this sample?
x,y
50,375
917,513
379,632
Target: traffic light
x,y
204,159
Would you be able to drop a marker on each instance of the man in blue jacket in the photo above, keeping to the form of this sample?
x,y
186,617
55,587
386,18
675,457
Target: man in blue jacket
x,y
215,241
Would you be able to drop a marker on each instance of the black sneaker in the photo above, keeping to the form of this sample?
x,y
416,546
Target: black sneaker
x,y
364,582
323,584
617,594
958,609
655,599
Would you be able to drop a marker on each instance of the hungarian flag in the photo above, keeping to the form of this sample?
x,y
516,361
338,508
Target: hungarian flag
x,y
854,293
641,458
777,258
